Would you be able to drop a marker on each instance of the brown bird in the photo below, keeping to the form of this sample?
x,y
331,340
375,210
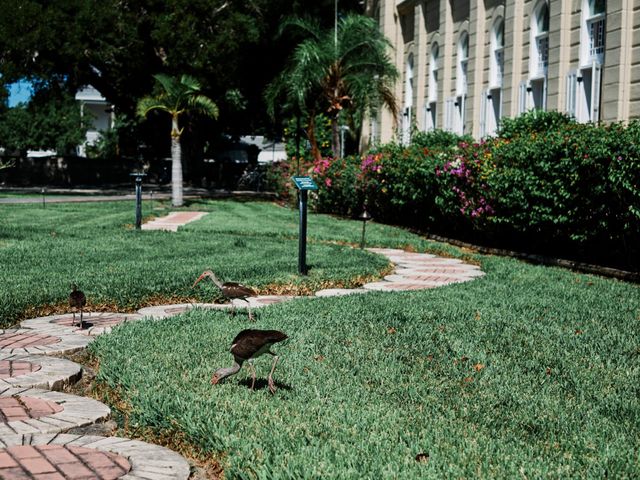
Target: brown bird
x,y
247,345
77,301
230,290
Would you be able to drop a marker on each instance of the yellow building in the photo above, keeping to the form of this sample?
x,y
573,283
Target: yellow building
x,y
465,64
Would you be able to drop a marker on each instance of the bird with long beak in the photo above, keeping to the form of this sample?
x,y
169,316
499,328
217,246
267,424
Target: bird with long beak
x,y
246,346
230,290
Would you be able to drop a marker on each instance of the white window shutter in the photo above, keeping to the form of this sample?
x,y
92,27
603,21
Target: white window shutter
x,y
483,112
572,89
463,107
449,107
596,83
522,98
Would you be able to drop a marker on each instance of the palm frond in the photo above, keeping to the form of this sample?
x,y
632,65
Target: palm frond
x,y
148,104
203,105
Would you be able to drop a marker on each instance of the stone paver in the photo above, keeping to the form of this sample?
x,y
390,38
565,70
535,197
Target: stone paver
x,y
163,311
416,271
38,371
172,221
68,454
95,323
22,340
338,292
30,410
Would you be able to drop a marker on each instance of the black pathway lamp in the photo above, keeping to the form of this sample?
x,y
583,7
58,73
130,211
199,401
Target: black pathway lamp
x,y
365,217
138,178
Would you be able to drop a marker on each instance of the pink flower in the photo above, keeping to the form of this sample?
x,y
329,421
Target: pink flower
x,y
327,182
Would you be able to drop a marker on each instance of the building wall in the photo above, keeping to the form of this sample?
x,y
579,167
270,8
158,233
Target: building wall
x,y
415,26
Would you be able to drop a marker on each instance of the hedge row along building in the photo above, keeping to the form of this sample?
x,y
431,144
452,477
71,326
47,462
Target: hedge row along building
x,y
464,64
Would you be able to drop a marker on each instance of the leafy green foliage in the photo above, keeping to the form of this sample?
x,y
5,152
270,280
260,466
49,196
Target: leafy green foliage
x,y
529,370
549,185
346,72
51,121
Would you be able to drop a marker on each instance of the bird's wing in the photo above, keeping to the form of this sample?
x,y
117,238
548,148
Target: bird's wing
x,y
234,289
249,342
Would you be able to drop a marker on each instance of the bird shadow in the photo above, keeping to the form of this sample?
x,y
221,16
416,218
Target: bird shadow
x,y
262,384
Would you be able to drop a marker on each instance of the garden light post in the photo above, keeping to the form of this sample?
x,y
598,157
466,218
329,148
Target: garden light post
x,y
303,184
365,217
43,200
138,178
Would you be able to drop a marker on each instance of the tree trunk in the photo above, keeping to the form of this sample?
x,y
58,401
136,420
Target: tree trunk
x,y
335,137
176,165
311,133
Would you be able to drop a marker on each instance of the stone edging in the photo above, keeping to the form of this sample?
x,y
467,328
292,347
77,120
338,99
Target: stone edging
x,y
77,412
147,461
54,373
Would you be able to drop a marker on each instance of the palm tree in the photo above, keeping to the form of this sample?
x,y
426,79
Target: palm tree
x,y
178,96
345,73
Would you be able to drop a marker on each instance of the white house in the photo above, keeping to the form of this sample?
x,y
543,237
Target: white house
x,y
95,109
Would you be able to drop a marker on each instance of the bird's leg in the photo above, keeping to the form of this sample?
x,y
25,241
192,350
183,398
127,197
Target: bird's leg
x,y
272,386
81,323
249,308
253,374
73,323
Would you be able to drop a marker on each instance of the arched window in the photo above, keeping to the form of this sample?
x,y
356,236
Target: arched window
x,y
497,54
540,40
593,32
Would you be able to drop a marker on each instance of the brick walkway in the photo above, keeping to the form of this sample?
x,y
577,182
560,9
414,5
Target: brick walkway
x,y
34,417
172,221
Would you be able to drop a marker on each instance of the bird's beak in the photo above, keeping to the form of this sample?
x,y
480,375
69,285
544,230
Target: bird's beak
x,y
199,278
214,380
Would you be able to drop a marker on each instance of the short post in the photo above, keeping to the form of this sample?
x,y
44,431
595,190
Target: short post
x,y
43,201
138,178
304,184
365,217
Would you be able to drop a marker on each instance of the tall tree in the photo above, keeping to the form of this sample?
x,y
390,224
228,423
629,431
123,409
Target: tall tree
x,y
178,96
344,72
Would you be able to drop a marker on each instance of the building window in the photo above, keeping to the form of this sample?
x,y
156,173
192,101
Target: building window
x,y
455,106
593,32
491,106
584,85
408,101
536,88
497,55
432,97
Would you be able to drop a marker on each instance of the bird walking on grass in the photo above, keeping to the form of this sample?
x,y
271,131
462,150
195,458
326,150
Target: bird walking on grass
x,y
230,290
248,345
77,301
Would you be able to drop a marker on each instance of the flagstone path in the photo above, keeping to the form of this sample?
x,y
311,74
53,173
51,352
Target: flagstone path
x,y
34,414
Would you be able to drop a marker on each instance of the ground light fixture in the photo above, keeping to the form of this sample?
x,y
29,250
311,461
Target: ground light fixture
x,y
138,178
365,217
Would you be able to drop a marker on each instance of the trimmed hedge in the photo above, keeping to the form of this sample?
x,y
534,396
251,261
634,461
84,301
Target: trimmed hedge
x,y
544,184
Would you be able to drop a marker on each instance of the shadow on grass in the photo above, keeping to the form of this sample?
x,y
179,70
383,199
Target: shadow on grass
x,y
262,384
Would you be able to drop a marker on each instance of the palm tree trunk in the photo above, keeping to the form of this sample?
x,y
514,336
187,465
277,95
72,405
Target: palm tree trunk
x,y
176,164
311,133
335,137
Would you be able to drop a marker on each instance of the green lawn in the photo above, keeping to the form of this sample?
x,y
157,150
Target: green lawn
x,y
528,372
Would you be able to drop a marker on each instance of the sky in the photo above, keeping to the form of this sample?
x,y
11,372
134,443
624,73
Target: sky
x,y
19,92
